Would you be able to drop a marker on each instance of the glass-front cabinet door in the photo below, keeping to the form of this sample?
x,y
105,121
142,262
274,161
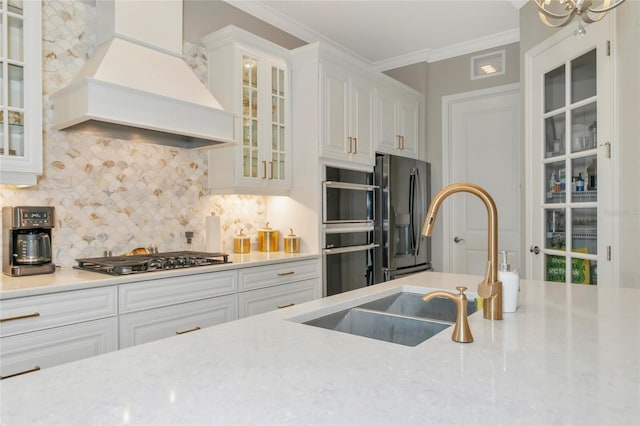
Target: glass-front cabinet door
x,y
264,119
20,92
249,76
570,223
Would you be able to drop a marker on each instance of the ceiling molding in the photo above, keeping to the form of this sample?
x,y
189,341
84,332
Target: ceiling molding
x,y
271,16
429,55
262,11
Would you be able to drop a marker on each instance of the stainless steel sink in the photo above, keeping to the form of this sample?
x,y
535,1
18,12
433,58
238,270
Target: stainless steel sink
x,y
402,318
411,304
393,328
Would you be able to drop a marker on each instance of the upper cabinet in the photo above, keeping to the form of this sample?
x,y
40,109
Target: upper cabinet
x,y
347,112
20,92
249,76
398,121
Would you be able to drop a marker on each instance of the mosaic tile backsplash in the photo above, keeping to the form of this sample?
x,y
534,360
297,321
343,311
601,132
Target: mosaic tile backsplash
x,y
113,194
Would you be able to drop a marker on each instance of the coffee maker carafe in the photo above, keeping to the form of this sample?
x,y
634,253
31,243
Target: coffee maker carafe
x,y
26,235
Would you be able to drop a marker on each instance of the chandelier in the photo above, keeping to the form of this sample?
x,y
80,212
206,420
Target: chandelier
x,y
557,13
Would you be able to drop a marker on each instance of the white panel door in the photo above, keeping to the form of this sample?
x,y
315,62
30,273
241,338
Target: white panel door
x,y
483,135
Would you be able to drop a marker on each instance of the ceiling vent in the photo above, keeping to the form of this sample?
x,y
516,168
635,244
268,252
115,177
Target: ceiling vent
x,y
488,65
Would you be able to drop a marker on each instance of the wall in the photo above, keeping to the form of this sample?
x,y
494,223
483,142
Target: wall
x,y
113,194
448,77
626,210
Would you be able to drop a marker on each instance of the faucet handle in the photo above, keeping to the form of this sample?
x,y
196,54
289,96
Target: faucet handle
x,y
461,289
486,290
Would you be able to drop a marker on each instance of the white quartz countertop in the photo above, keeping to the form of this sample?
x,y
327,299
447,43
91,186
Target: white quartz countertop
x,y
68,278
569,355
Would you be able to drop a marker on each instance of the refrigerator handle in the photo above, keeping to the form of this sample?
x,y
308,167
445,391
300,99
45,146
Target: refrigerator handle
x,y
416,191
412,207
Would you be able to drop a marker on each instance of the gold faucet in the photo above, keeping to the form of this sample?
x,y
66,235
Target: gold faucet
x,y
461,331
490,289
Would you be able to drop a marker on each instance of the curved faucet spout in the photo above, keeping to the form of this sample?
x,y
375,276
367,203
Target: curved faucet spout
x,y
490,288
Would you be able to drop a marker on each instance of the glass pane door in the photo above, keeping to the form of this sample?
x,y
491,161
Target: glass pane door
x,y
570,213
250,109
12,141
278,124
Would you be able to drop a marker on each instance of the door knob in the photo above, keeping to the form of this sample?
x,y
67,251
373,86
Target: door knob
x,y
534,249
457,239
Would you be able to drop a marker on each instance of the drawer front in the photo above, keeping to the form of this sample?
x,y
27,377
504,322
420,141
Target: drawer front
x,y
30,352
26,314
279,297
280,273
146,326
170,291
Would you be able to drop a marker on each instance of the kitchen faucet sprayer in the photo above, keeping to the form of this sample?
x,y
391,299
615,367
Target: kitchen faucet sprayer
x,y
490,289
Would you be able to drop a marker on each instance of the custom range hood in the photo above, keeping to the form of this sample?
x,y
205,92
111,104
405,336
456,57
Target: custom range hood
x,y
136,86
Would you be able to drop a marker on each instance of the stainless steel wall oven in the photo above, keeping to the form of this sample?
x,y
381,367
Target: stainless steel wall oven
x,y
348,224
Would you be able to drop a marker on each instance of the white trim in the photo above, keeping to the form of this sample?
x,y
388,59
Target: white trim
x,y
464,48
262,11
447,104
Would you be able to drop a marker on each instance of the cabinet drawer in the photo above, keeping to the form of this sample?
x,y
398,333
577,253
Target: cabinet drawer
x,y
268,299
33,313
146,326
46,348
170,291
280,273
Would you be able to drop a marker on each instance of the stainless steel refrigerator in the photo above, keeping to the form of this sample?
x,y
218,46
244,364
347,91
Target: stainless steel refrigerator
x,y
402,200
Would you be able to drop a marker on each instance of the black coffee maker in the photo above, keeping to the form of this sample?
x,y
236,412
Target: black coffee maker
x,y
26,236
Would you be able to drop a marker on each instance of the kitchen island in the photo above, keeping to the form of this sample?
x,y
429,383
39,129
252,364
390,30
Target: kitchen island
x,y
569,355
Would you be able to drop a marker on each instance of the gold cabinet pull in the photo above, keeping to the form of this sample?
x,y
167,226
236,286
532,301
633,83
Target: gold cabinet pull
x,y
31,370
355,145
271,170
264,169
350,139
286,306
399,143
188,331
33,315
402,142
282,274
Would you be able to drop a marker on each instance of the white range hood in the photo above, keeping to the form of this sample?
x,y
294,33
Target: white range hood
x,y
136,86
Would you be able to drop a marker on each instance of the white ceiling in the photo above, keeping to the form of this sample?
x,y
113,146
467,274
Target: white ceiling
x,y
394,33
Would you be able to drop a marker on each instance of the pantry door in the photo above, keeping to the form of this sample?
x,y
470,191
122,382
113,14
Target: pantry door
x,y
481,145
569,157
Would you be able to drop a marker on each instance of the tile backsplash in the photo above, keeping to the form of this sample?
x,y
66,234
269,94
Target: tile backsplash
x,y
114,194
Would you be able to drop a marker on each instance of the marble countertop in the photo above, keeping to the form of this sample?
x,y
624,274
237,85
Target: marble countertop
x,y
67,278
569,355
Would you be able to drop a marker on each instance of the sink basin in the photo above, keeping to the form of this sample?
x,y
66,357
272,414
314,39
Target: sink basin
x,y
408,331
406,303
402,318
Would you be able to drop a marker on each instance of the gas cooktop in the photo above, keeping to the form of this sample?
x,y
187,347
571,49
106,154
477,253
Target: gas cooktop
x,y
139,263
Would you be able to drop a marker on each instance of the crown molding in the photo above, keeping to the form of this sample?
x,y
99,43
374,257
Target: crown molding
x,y
271,16
433,55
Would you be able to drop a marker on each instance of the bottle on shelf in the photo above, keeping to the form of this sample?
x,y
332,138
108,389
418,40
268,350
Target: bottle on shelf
x,y
552,182
579,183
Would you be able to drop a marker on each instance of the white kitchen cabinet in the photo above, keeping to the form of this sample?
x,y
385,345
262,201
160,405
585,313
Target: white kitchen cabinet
x,y
250,77
31,352
20,92
152,310
47,330
266,288
347,115
279,297
397,121
146,326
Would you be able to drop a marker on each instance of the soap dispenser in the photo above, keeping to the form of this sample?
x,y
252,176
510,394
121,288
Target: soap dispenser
x,y
510,284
